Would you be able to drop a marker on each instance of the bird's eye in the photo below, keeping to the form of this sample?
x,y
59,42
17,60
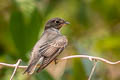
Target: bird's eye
x,y
57,22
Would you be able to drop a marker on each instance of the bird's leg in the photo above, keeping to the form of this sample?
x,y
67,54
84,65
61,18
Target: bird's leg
x,y
55,60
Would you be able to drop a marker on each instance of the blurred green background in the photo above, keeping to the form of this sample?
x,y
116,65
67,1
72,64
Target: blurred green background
x,y
94,30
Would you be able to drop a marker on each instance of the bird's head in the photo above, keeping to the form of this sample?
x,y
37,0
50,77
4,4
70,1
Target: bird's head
x,y
56,23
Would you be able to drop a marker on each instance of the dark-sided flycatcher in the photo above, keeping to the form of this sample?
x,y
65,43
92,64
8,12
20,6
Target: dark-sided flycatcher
x,y
50,45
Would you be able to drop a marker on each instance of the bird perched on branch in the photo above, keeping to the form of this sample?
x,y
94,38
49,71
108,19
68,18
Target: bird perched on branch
x,y
50,45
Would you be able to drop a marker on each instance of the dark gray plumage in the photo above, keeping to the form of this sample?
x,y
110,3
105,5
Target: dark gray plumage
x,y
50,45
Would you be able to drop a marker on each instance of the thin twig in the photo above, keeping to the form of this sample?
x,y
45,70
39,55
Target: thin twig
x,y
17,64
69,57
93,69
12,65
91,58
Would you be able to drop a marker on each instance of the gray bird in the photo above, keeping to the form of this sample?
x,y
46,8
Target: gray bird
x,y
50,45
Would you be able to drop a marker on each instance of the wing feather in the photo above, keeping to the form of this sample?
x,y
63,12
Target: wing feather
x,y
53,50
50,48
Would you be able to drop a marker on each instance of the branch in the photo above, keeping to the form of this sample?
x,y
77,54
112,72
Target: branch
x,y
93,69
17,64
12,65
91,58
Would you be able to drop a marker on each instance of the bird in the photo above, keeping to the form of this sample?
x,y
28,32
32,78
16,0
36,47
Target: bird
x,y
48,47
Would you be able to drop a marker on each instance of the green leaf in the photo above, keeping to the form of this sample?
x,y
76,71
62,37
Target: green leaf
x,y
78,70
25,33
18,30
34,28
43,75
51,6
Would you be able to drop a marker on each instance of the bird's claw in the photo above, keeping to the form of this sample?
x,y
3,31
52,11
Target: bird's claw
x,y
55,61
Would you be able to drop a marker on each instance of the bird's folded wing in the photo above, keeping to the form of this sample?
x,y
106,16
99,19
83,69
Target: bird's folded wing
x,y
49,48
52,50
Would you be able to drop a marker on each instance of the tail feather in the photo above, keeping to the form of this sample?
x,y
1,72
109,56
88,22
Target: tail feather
x,y
33,64
40,69
44,64
30,69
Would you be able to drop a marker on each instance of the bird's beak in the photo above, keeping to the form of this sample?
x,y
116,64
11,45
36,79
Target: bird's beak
x,y
66,23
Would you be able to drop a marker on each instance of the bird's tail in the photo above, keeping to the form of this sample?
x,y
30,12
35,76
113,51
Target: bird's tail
x,y
31,68
33,64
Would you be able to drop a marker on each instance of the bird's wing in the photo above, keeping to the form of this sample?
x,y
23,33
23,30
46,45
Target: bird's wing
x,y
48,51
51,50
